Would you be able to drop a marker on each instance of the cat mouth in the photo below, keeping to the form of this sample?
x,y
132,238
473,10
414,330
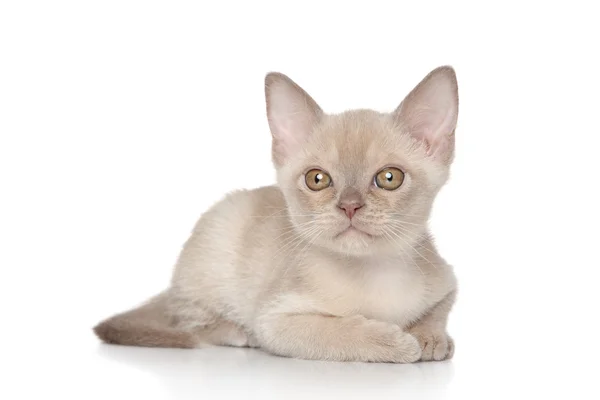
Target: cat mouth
x,y
352,230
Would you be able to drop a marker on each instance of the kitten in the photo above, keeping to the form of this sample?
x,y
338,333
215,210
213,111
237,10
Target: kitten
x,y
336,261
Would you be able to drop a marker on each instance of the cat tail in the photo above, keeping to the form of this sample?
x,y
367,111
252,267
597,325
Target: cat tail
x,y
147,326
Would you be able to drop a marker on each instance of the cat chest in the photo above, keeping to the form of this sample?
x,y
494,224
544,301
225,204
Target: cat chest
x,y
386,294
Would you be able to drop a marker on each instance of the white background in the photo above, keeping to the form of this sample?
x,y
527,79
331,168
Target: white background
x,y
122,121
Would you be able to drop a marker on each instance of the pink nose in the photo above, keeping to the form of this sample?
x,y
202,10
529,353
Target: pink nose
x,y
350,208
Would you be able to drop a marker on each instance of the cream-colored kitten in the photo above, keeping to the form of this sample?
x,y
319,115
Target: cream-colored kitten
x,y
333,263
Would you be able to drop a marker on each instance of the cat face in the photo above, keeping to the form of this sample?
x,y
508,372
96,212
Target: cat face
x,y
362,182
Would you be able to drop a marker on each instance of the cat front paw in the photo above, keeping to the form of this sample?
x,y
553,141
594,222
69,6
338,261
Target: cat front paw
x,y
435,346
392,344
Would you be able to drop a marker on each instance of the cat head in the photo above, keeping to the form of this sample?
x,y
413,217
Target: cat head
x,y
362,181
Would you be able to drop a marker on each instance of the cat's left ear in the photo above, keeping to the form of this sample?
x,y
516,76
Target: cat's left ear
x,y
430,112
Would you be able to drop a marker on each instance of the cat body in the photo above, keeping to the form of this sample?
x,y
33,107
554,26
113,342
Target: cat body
x,y
335,262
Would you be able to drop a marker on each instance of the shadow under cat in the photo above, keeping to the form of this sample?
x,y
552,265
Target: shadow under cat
x,y
191,373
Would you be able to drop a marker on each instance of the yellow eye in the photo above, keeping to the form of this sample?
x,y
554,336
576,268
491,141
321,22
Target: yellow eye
x,y
317,179
389,178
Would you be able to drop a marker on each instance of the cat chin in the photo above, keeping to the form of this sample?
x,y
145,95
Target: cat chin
x,y
353,241
353,231
358,243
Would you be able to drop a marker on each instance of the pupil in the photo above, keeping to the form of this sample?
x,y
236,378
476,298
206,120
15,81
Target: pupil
x,y
318,178
389,176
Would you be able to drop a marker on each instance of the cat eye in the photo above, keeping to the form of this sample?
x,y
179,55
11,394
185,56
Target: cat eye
x,y
317,179
389,178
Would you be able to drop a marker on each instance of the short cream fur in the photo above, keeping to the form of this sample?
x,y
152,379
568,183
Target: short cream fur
x,y
292,271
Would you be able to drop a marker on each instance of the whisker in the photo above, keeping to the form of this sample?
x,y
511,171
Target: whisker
x,y
297,238
424,236
412,247
406,222
284,216
408,215
404,251
304,250
291,248
292,228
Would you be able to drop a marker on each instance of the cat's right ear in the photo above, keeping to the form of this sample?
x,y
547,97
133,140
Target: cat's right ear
x,y
292,115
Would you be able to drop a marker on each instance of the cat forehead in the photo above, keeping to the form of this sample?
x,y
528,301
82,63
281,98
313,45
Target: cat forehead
x,y
358,139
355,126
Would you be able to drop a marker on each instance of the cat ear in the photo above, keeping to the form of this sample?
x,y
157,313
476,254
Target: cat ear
x,y
430,112
292,115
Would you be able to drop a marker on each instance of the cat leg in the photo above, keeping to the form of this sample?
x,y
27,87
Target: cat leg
x,y
430,331
322,337
207,326
224,333
169,322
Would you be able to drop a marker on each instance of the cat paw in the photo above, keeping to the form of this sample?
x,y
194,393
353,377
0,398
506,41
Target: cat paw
x,y
435,346
408,347
252,342
394,344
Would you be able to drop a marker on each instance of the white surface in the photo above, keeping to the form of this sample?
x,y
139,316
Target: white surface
x,y
122,121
